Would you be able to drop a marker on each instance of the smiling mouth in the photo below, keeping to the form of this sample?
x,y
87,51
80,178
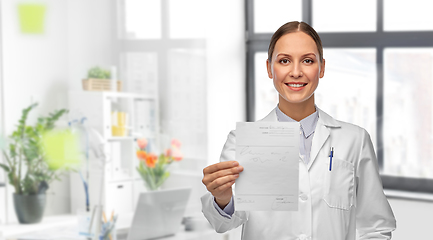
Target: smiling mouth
x,y
296,85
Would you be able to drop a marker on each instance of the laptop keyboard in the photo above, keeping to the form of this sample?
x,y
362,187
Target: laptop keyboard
x,y
122,236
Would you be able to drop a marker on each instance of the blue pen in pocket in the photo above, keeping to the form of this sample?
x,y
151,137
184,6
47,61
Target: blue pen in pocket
x,y
330,158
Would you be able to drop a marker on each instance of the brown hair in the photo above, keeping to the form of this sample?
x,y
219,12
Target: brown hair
x,y
291,27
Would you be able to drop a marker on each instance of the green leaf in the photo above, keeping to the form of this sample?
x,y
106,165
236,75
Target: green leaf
x,y
6,168
53,117
97,72
22,121
25,156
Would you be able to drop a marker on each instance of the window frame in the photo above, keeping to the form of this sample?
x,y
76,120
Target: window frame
x,y
161,47
378,40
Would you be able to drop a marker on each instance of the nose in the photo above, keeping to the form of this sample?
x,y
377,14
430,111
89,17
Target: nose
x,y
296,71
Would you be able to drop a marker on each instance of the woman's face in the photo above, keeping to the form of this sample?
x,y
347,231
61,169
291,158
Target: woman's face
x,y
296,68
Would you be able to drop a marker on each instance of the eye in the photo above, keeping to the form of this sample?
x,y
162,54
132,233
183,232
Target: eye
x,y
309,61
284,61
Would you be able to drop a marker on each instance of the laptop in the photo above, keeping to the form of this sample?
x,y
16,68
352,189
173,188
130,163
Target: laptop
x,y
158,213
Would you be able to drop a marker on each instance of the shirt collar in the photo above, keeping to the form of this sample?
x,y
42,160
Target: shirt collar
x,y
308,124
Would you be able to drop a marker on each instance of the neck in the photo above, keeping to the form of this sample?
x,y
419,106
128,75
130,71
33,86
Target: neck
x,y
297,111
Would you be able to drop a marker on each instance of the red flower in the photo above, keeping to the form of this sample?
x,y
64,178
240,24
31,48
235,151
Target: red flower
x,y
151,160
141,155
142,143
175,142
168,152
176,154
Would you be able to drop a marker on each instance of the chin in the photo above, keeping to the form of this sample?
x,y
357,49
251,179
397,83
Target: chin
x,y
295,100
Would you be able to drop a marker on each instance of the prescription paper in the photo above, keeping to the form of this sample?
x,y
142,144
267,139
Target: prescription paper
x,y
269,153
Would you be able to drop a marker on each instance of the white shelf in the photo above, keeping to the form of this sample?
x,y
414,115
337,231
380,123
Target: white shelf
x,y
129,95
119,173
108,94
120,138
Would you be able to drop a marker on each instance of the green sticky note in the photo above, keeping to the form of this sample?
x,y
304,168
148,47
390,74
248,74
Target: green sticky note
x,y
62,149
31,18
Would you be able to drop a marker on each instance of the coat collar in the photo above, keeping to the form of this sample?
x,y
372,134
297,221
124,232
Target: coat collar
x,y
324,118
321,133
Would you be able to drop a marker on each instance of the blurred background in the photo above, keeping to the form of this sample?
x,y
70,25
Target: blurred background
x,y
191,69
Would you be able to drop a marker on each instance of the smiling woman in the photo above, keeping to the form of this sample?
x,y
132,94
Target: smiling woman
x,y
338,170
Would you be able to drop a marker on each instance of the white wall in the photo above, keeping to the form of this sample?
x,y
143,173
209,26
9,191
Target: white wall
x,y
34,69
90,32
43,67
2,174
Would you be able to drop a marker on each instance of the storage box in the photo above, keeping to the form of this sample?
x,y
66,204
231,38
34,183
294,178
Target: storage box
x,y
95,84
118,122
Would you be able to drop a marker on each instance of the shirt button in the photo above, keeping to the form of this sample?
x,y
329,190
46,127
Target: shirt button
x,y
304,197
300,132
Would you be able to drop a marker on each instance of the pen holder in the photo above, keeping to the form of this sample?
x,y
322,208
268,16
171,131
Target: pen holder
x,y
108,231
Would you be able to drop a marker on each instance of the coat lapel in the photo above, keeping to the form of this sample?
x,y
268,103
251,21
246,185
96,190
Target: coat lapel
x,y
272,117
321,134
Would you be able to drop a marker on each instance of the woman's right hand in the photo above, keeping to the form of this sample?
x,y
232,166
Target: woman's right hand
x,y
219,178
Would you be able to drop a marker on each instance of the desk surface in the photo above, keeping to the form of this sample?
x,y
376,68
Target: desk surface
x,y
65,228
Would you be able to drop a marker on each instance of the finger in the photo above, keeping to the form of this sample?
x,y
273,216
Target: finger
x,y
219,166
221,181
208,178
223,188
225,172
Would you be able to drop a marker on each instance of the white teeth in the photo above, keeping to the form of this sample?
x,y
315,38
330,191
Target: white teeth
x,y
296,85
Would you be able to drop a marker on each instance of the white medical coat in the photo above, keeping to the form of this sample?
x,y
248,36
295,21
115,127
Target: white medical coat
x,y
333,205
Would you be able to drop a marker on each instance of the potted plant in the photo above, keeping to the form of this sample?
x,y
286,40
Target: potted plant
x,y
26,168
152,168
99,79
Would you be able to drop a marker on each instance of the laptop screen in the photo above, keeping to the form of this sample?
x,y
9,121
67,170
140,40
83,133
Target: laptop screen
x,y
158,213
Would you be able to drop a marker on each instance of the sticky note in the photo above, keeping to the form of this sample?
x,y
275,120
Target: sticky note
x,y
62,149
31,18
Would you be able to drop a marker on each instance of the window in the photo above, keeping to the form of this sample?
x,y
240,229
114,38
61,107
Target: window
x,y
403,15
142,19
385,50
354,67
161,51
408,85
161,48
359,16
267,17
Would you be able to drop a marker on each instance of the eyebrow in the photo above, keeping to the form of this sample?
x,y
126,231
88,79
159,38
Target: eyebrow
x,y
288,55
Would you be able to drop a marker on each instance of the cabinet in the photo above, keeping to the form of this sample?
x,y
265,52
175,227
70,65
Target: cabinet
x,y
121,183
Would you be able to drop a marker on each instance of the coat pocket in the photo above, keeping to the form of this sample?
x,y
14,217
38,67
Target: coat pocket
x,y
339,184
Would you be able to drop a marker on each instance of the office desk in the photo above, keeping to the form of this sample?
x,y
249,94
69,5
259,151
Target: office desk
x,y
53,225
65,228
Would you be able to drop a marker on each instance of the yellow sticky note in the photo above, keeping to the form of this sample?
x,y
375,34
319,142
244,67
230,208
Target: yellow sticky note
x,y
62,149
31,17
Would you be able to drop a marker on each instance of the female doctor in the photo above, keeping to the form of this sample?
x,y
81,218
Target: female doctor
x,y
341,201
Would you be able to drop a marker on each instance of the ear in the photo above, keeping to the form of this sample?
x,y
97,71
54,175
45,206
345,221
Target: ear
x,y
322,69
269,68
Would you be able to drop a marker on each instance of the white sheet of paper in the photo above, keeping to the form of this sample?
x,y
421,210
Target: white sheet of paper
x,y
269,153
